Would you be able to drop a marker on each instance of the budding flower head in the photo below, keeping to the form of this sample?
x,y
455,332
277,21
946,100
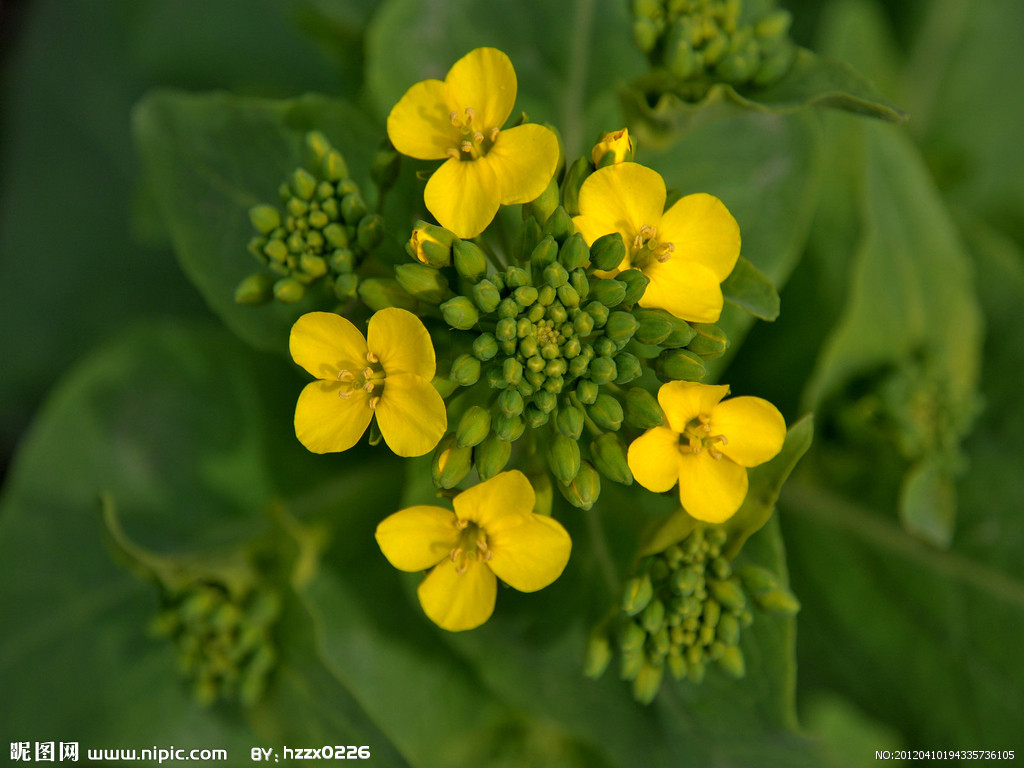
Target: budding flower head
x,y
613,148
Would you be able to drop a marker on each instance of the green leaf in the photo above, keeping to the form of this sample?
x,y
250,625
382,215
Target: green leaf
x,y
750,289
209,158
661,116
567,56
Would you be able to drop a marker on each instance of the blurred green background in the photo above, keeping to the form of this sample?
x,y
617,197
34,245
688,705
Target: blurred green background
x,y
897,250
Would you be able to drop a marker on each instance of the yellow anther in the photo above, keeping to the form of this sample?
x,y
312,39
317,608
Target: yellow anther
x,y
454,117
478,137
453,152
373,402
346,376
466,146
371,358
461,524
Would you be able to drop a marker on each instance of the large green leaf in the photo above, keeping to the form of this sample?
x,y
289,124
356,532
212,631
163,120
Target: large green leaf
x,y
209,158
568,56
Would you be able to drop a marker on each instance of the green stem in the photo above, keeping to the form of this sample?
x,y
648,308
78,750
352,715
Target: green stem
x,y
599,543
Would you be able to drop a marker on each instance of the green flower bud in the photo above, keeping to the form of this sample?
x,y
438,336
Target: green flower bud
x,y
583,324
423,282
609,292
598,312
636,283
637,595
386,164
379,293
587,391
574,254
491,456
568,296
607,252
545,400
345,286
535,418
620,327
485,346
731,662
564,458
256,289
630,663
757,580
606,411
653,616
353,208
579,282
255,246
559,225
628,367
296,243
709,342
720,566
569,421
773,25
460,313
681,335
318,144
598,655
510,402
603,370
516,277
289,290
431,245
585,488
545,253
574,178
336,235
317,220
555,275
509,428
545,493
525,295
276,250
265,218
312,265
647,682
527,238
778,601
470,261
474,426
728,593
632,636
679,365
505,329
775,64
654,327
333,166
728,629
677,665
370,231
465,371
685,581
544,206
486,296
303,184
609,456
451,463
512,370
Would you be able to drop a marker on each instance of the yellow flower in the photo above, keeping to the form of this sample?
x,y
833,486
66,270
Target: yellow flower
x,y
460,119
686,251
492,534
387,373
706,446
619,143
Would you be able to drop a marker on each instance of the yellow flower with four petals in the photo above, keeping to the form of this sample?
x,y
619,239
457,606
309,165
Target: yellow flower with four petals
x,y
706,447
686,251
387,373
492,534
461,119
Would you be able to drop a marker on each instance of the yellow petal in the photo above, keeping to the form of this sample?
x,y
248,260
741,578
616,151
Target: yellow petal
x,y
686,289
620,198
327,423
711,490
501,502
703,230
458,601
754,428
684,401
400,341
485,81
530,556
324,343
523,159
420,123
417,538
463,196
411,415
653,459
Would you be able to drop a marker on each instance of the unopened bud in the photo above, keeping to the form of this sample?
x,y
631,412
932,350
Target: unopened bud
x,y
587,392
654,325
574,253
486,296
585,488
757,580
370,231
527,238
607,252
637,594
641,409
559,225
778,601
289,290
731,661
679,365
628,368
564,458
460,313
345,286
620,327
265,218
636,283
474,426
470,261
423,282
509,428
598,655
609,292
491,456
609,456
570,421
465,370
613,148
545,253
603,370
729,593
431,245
303,184
386,164
256,289
451,463
544,206
574,178
709,342
653,616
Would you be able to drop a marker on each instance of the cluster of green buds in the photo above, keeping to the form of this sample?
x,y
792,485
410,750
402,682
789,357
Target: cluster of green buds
x,y
224,640
550,348
318,237
702,42
684,609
